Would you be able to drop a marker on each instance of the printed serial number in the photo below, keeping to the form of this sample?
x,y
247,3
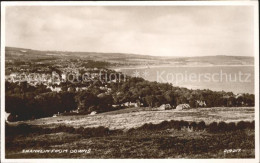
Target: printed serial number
x,y
232,150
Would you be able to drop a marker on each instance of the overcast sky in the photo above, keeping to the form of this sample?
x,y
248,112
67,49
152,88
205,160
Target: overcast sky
x,y
161,31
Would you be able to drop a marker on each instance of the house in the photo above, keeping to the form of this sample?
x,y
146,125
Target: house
x,y
54,89
126,104
75,111
131,104
239,95
201,103
63,77
94,75
165,107
83,88
102,88
115,106
10,117
13,75
93,113
226,96
6,116
183,106
55,115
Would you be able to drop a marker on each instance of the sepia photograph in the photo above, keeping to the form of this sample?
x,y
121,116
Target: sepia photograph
x,y
129,80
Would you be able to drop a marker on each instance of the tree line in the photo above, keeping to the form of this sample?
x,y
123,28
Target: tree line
x,y
28,102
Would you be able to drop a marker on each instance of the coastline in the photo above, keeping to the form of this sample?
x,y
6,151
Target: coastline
x,y
166,66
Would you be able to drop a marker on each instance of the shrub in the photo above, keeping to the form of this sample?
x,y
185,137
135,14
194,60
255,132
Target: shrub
x,y
201,125
252,125
143,127
22,129
176,125
193,125
131,131
80,130
96,132
184,123
164,125
64,129
247,125
231,126
241,125
213,127
222,126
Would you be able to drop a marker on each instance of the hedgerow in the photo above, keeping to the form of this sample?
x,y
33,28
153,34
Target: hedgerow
x,y
214,127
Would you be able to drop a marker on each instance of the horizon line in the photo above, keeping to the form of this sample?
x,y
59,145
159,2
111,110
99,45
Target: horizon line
x,y
132,53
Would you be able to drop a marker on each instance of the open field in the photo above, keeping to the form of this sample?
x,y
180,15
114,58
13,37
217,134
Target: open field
x,y
136,117
149,141
136,133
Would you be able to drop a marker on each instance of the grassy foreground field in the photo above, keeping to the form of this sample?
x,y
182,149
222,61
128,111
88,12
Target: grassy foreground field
x,y
58,138
136,117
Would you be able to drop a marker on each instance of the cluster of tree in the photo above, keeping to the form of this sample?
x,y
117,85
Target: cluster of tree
x,y
96,64
27,102
154,94
23,88
43,105
88,102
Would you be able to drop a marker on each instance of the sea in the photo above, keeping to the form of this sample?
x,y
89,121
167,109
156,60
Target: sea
x,y
236,79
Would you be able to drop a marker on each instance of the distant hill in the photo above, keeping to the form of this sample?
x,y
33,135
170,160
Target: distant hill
x,y
13,53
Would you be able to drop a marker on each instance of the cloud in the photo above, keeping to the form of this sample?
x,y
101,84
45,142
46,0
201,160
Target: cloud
x,y
171,30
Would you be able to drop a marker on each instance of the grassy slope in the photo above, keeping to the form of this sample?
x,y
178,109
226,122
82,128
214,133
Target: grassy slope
x,y
168,143
135,117
162,143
